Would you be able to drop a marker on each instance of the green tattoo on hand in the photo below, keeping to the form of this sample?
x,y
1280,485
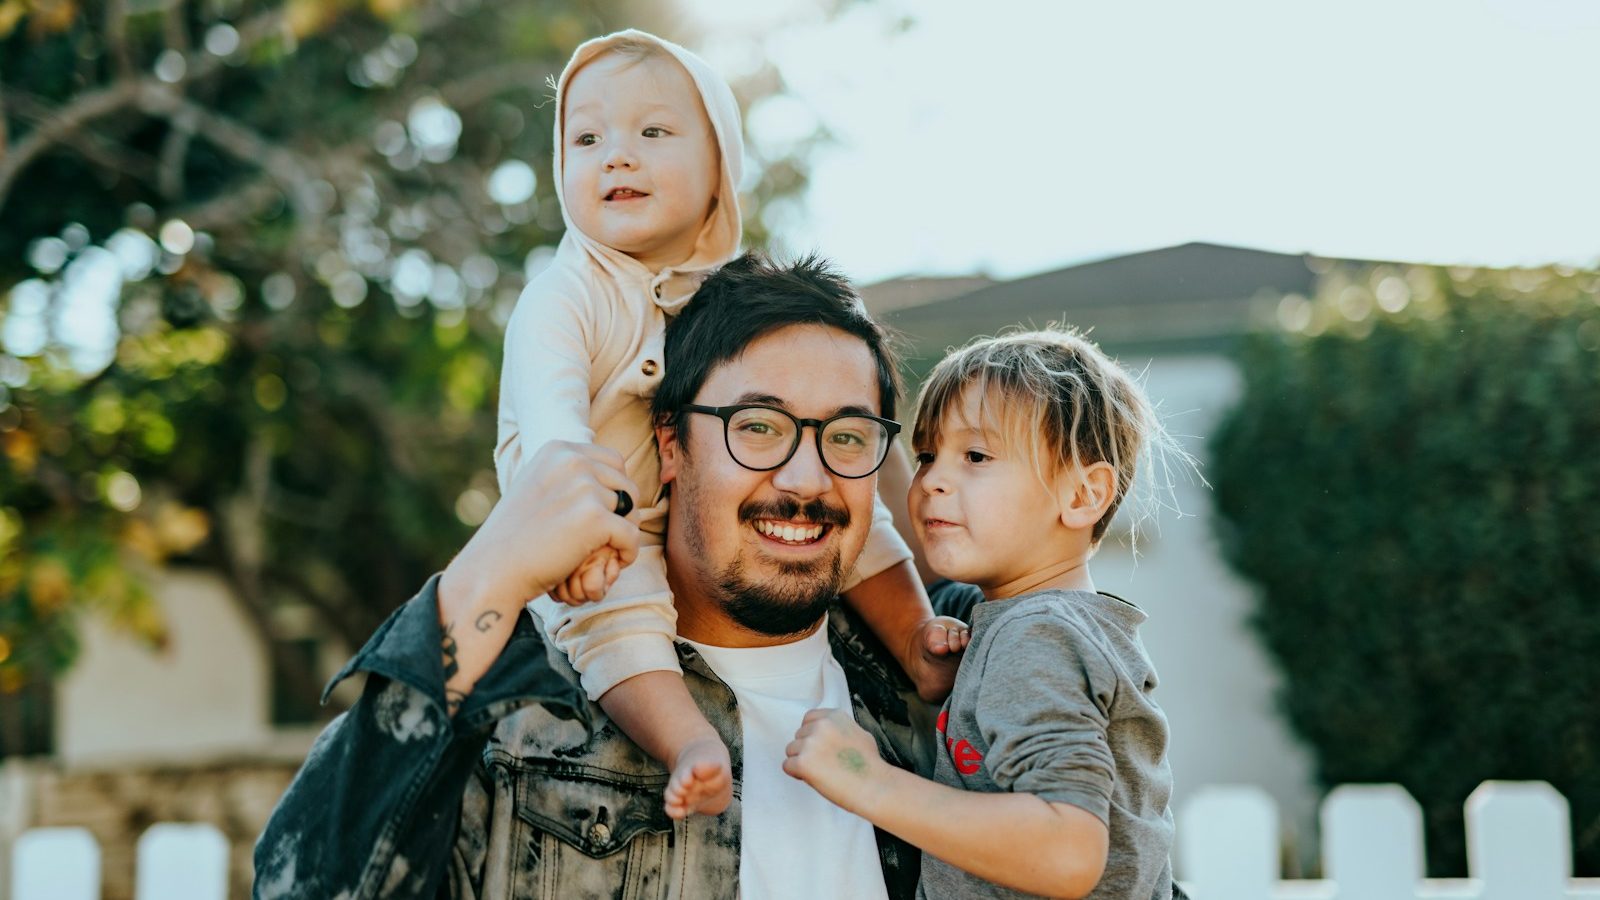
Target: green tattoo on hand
x,y
853,760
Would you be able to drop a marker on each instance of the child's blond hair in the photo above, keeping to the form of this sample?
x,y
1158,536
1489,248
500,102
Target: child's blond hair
x,y
1057,398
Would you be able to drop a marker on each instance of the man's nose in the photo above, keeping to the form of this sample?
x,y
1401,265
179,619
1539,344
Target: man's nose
x,y
804,474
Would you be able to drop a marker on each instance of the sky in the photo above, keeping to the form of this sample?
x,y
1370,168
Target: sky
x,y
1010,137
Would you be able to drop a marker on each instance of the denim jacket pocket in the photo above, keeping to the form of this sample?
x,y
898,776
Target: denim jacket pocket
x,y
592,832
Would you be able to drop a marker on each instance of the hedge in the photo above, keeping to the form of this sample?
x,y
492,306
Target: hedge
x,y
1411,480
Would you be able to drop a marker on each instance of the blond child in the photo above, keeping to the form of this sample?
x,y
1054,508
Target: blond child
x,y
1051,774
648,159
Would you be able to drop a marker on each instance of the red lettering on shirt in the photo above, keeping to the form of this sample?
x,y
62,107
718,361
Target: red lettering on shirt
x,y
963,755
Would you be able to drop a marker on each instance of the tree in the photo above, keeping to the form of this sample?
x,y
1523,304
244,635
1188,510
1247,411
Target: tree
x,y
258,256
1411,481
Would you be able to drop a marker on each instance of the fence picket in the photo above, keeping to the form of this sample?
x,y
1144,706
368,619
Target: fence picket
x,y
1519,840
1372,842
188,861
1228,843
55,864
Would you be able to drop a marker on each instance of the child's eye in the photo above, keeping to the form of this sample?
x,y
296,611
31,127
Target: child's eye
x,y
654,131
586,139
924,459
977,457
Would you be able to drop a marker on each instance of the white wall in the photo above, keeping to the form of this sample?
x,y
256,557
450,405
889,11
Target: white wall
x,y
1216,686
206,695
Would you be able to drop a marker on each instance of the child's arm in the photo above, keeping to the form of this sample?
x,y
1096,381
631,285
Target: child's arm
x,y
894,604
1017,840
545,381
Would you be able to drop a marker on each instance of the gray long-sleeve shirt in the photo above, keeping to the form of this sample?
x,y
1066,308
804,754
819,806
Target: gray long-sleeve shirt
x,y
1054,699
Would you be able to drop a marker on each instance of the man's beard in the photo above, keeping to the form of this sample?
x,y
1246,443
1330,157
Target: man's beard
x,y
795,599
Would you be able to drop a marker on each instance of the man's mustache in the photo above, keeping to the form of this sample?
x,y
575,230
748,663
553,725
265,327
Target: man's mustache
x,y
814,511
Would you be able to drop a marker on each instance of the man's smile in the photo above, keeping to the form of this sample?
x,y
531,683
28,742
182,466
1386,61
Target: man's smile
x,y
795,534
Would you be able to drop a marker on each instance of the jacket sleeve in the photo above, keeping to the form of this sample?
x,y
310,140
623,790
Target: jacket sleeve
x,y
389,802
544,378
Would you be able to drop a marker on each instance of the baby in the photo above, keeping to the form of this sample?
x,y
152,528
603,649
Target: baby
x,y
648,159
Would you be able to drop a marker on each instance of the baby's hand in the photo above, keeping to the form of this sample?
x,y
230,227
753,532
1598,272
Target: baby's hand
x,y
591,580
835,756
939,643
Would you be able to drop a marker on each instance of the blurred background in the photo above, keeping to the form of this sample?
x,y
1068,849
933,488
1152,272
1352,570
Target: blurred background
x,y
256,259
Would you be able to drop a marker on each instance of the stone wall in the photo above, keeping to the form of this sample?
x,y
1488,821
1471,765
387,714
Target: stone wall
x,y
117,805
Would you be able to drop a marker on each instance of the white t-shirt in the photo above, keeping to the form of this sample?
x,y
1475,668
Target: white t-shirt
x,y
794,843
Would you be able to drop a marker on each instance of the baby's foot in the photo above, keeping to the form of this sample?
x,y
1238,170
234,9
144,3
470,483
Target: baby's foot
x,y
702,780
940,642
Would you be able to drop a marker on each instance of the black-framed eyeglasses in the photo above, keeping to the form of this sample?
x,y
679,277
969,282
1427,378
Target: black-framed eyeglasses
x,y
762,438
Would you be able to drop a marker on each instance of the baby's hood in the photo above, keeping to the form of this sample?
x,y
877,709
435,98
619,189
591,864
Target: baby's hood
x,y
719,238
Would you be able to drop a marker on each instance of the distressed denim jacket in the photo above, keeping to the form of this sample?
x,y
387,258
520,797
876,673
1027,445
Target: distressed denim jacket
x,y
530,792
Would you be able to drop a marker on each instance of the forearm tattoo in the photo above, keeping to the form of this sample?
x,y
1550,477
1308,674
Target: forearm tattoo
x,y
447,648
487,620
447,652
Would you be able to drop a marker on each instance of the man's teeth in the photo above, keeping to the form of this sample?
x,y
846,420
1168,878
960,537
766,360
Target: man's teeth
x,y
794,534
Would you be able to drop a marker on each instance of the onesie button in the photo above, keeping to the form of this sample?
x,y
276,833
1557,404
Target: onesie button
x,y
649,368
599,834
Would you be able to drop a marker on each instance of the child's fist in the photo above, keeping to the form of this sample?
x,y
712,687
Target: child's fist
x,y
590,581
939,643
835,756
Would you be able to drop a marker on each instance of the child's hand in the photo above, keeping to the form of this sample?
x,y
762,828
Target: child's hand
x,y
590,581
835,756
939,643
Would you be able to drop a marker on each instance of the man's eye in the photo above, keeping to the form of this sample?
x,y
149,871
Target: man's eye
x,y
654,131
755,427
847,439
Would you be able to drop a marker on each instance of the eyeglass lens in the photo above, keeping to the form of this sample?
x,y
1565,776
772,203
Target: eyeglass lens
x,y
852,446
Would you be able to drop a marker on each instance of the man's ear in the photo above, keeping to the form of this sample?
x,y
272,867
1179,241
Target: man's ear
x,y
671,453
1086,494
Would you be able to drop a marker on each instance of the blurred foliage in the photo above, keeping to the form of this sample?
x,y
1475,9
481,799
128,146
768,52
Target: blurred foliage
x,y
255,262
1412,480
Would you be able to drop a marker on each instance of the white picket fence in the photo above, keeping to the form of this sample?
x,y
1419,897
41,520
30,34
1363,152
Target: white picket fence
x,y
1519,847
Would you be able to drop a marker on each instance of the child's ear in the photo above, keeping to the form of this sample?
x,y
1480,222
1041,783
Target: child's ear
x,y
670,452
1086,494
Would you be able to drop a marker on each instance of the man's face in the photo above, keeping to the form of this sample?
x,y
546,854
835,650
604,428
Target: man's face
x,y
728,554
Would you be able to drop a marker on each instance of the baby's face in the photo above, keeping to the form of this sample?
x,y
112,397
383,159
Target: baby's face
x,y
640,163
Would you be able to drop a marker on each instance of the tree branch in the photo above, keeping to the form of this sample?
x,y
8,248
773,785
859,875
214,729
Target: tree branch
x,y
294,175
96,148
117,38
66,123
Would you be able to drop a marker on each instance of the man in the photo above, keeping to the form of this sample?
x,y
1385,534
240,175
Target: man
x,y
472,766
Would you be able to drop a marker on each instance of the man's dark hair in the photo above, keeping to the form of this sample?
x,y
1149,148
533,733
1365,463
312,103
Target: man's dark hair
x,y
751,297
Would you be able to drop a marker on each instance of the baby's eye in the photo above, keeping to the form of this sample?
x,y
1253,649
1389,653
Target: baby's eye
x,y
977,457
654,131
586,139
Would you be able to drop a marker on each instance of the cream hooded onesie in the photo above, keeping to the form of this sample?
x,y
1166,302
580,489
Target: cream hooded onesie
x,y
583,357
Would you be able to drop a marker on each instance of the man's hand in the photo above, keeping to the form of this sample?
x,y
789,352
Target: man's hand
x,y
560,509
835,756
